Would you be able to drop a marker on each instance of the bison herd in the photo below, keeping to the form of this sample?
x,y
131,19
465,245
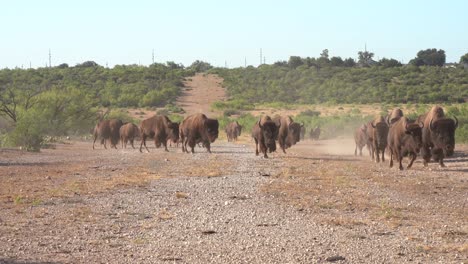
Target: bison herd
x,y
431,134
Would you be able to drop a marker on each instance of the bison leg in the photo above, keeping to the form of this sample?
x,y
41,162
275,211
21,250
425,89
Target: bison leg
x,y
391,159
355,150
413,158
131,142
207,145
143,142
103,142
95,137
256,147
383,155
165,145
400,160
426,155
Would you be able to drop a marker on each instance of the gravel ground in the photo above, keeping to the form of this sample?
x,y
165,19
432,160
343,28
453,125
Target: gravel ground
x,y
184,216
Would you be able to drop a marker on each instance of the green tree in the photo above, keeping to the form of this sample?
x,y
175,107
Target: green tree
x,y
349,62
295,61
200,66
365,58
336,61
429,57
464,59
388,63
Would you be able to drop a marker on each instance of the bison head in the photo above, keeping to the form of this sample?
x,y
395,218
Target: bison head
x,y
294,133
173,131
270,133
415,131
443,134
380,134
212,128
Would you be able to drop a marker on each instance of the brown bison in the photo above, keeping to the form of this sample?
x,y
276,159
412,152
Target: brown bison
x,y
198,128
265,132
314,134
394,116
360,138
289,132
438,135
377,134
108,130
233,130
159,127
128,132
404,139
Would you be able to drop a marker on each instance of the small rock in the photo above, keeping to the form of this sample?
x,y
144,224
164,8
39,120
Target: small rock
x,y
334,258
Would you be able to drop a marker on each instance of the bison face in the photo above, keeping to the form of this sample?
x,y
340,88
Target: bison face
x,y
443,135
381,134
415,131
270,132
173,132
212,129
294,133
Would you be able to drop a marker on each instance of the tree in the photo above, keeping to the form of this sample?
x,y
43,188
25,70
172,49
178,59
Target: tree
x,y
200,66
464,59
172,65
295,61
388,63
324,54
349,62
336,61
365,58
87,64
429,57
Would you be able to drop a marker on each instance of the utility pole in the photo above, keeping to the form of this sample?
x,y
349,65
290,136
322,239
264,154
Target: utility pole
x,y
153,56
261,56
264,60
245,62
30,65
50,59
225,64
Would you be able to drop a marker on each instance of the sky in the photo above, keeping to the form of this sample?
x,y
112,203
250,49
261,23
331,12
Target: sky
x,y
225,32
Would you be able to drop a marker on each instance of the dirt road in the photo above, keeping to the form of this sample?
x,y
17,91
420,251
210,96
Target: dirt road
x,y
316,204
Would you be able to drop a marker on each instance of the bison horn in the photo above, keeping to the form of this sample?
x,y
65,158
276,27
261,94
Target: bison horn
x,y
302,124
456,121
260,122
406,127
431,127
388,120
372,124
421,125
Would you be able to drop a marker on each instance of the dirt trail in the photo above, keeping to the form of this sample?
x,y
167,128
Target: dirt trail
x,y
200,92
74,205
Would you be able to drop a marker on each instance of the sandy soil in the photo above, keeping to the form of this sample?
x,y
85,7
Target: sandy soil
x,y
200,92
317,202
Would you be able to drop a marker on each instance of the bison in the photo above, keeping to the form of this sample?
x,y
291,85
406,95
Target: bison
x,y
128,132
360,137
159,127
314,134
108,130
377,133
198,128
394,116
265,132
404,138
289,132
233,130
438,135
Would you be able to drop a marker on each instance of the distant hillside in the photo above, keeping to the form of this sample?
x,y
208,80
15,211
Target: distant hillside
x,y
377,84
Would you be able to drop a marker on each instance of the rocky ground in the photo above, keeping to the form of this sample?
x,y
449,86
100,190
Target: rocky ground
x,y
315,204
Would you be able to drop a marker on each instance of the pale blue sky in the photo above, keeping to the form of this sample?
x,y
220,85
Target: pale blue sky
x,y
126,32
